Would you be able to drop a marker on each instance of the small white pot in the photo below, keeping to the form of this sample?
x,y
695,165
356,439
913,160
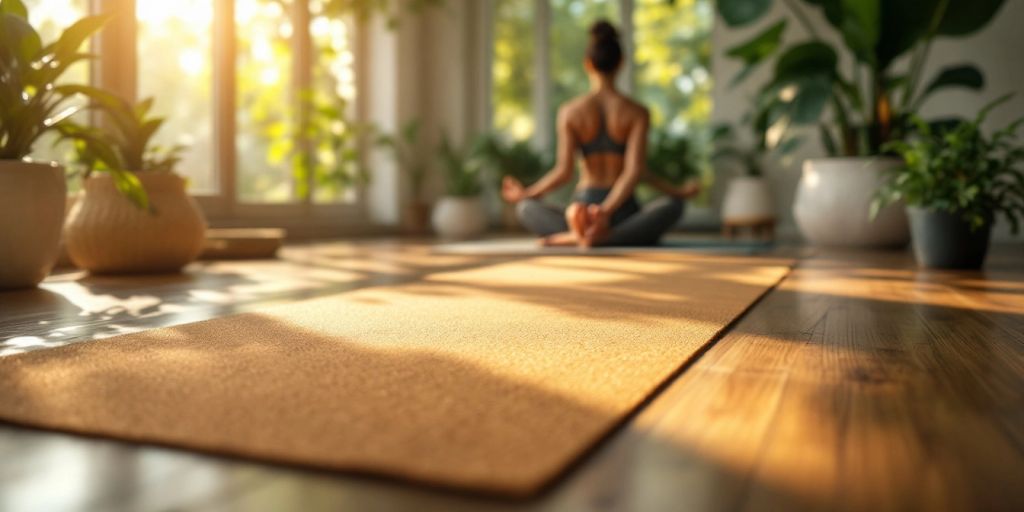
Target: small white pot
x,y
748,200
107,234
459,218
833,204
31,214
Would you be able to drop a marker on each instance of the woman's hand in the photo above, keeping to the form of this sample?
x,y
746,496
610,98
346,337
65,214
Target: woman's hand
x,y
598,226
687,190
512,190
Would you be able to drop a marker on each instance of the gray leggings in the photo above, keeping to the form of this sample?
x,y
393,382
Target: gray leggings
x,y
642,228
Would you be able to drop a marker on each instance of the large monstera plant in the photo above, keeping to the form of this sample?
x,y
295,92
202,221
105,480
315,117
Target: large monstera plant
x,y
871,98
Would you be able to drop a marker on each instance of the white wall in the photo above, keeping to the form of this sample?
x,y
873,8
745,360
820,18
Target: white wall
x,y
426,69
998,51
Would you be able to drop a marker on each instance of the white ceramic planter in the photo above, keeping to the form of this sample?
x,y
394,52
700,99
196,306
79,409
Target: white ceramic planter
x,y
459,218
748,200
107,234
833,204
31,214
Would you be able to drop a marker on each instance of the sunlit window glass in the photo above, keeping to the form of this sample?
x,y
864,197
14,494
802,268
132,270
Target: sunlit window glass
x,y
671,67
175,66
513,68
334,158
265,144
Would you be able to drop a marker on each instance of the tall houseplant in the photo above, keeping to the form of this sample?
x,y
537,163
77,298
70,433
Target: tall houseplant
x,y
134,215
870,102
460,214
33,103
955,181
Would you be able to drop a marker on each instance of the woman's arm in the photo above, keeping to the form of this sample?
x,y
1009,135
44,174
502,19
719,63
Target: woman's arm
x,y
565,163
685,191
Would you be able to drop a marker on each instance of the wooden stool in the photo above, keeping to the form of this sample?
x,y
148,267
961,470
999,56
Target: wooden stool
x,y
762,229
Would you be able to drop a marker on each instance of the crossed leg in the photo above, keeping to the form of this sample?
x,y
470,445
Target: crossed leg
x,y
558,228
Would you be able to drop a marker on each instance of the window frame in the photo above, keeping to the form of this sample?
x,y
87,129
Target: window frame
x,y
117,71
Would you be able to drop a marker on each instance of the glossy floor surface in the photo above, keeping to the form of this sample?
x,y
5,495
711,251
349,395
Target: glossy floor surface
x,y
859,383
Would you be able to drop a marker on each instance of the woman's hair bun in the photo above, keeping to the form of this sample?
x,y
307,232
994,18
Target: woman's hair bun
x,y
603,30
604,50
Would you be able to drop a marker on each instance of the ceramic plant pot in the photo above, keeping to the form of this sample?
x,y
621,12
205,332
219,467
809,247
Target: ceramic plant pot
x,y
748,200
945,240
32,198
107,234
833,204
459,218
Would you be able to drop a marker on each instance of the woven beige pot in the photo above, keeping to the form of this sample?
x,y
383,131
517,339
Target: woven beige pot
x,y
31,214
107,234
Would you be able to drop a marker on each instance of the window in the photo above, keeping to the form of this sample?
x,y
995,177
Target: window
x,y
264,117
259,91
671,60
513,67
180,79
668,50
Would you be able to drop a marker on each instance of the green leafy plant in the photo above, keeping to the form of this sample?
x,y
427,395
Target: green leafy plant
x,y
671,157
517,159
462,169
122,144
31,101
363,10
402,146
872,101
960,170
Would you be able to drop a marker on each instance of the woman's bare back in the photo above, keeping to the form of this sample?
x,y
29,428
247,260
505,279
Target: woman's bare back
x,y
616,114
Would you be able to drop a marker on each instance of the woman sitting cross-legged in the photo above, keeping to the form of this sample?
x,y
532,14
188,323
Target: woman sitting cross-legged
x,y
610,132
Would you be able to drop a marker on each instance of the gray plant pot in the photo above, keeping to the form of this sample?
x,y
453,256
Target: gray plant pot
x,y
945,240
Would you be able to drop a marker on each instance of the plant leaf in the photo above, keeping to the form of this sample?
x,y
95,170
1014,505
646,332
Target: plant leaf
x,y
754,51
74,36
827,140
738,13
965,75
14,7
963,17
860,28
803,60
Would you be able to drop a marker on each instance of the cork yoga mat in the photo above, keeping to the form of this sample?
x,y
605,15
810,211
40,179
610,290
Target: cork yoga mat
x,y
493,379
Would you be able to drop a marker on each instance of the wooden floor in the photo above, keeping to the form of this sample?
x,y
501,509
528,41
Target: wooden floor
x,y
858,384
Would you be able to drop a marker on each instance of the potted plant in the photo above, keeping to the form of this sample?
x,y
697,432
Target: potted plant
x,y
32,103
748,197
517,159
870,100
134,215
955,181
403,149
460,213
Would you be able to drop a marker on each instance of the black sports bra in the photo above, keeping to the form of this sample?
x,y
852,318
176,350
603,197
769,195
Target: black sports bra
x,y
603,143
